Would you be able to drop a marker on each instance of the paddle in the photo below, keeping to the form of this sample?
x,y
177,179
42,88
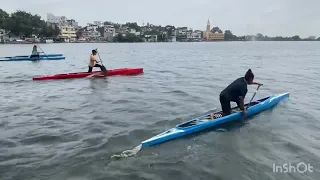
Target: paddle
x,y
251,100
253,95
103,67
99,57
42,50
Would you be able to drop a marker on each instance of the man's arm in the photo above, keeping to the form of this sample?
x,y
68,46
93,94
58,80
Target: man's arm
x,y
241,105
259,84
244,111
94,59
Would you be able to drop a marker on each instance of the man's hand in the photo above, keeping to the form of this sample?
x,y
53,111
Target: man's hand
x,y
259,84
244,111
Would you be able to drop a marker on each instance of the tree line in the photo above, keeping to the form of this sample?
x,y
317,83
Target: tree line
x,y
23,24
261,37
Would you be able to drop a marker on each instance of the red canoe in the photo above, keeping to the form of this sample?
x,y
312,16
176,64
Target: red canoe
x,y
112,72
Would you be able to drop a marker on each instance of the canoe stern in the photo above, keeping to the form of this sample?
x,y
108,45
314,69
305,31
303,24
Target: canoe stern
x,y
165,136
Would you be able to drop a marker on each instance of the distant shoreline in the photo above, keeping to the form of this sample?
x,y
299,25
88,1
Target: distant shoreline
x,y
107,42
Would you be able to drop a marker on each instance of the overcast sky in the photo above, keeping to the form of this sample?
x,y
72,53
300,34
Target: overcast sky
x,y
242,17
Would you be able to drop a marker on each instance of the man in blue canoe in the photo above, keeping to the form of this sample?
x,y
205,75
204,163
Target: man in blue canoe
x,y
236,92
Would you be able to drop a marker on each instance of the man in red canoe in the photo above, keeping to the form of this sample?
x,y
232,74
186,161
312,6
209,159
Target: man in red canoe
x,y
93,63
236,92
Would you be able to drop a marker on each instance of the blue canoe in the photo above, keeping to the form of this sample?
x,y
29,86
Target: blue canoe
x,y
27,58
205,122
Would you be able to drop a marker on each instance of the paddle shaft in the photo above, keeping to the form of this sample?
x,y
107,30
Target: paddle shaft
x,y
253,96
100,58
101,64
42,50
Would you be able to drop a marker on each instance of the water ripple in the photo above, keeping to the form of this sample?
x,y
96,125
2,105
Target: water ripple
x,y
69,129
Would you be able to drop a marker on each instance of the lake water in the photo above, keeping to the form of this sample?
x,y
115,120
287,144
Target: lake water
x,y
69,129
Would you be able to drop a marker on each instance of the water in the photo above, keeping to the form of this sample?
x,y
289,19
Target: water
x,y
70,129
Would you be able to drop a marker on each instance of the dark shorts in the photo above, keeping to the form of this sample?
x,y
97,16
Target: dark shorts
x,y
226,104
33,56
103,69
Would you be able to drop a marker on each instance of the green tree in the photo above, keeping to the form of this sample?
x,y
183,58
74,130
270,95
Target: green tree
x,y
118,38
133,26
108,23
127,38
296,38
216,29
228,36
132,38
260,37
3,19
23,24
49,31
170,30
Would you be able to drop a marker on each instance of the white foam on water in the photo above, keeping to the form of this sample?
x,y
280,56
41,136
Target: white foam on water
x,y
127,153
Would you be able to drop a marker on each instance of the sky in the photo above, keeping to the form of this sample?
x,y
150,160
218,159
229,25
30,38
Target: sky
x,y
242,17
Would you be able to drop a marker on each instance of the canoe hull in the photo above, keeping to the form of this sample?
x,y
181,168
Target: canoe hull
x,y
203,122
41,55
27,58
113,72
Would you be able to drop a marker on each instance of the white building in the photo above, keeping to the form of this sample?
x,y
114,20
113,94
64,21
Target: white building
x,y
312,37
137,33
4,35
172,39
67,33
91,35
151,38
98,23
91,27
51,18
197,34
181,31
109,32
73,23
68,27
94,31
189,34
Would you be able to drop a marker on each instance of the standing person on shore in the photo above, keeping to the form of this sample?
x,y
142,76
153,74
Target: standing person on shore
x,y
93,63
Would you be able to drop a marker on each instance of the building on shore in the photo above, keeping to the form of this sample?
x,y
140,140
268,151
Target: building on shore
x,y
61,21
4,36
107,32
150,38
208,35
181,33
51,18
96,31
67,27
67,33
